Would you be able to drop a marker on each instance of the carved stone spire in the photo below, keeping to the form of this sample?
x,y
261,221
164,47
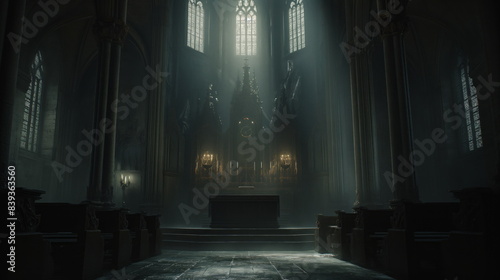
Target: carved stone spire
x,y
247,87
245,101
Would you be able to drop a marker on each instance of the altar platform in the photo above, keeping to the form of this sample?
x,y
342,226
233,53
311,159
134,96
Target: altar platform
x,y
228,239
244,211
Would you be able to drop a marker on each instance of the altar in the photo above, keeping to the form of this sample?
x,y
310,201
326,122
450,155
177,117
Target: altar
x,y
244,211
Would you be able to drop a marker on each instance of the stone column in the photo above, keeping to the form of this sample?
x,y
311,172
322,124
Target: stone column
x,y
365,112
94,193
356,130
153,181
350,23
403,183
111,30
8,79
486,78
4,12
361,98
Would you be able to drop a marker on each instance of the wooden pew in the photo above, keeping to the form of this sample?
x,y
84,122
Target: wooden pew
x,y
414,242
117,240
340,236
77,244
140,236
155,236
471,252
31,258
368,237
321,233
329,239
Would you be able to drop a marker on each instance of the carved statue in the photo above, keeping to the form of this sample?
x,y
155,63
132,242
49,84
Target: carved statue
x,y
288,96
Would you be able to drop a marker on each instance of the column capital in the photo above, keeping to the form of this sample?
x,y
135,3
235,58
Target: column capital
x,y
111,31
395,27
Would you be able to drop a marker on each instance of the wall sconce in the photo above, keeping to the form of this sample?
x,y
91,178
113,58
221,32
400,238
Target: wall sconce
x,y
125,183
207,160
286,161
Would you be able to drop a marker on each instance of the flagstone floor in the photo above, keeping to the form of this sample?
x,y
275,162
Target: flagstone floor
x,y
261,265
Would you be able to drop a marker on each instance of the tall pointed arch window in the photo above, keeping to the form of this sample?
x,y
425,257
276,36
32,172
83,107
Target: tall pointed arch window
x,y
471,108
296,26
246,28
30,134
196,25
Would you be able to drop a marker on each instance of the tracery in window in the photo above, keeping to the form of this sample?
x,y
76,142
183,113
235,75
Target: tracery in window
x,y
471,108
196,25
246,28
297,33
32,107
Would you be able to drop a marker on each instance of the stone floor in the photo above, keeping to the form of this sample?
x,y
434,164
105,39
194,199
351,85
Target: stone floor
x,y
261,265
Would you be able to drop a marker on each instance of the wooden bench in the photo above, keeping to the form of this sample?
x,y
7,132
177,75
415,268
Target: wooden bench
x,y
340,236
32,257
471,251
414,242
117,240
140,236
368,237
321,233
155,236
77,245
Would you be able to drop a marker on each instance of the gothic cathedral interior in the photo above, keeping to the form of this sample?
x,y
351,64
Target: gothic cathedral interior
x,y
363,123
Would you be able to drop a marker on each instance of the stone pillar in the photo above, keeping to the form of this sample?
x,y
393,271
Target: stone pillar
x,y
403,185
111,30
4,12
8,79
486,76
350,23
153,181
356,130
361,98
94,192
365,115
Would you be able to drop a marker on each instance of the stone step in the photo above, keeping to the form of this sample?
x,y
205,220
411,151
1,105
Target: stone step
x,y
291,230
238,239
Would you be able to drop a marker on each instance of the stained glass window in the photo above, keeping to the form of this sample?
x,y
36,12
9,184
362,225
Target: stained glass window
x,y
196,25
32,107
297,33
471,108
246,28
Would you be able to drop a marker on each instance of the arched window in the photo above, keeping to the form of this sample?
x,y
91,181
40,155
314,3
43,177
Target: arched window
x,y
246,28
297,32
471,108
196,25
30,134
